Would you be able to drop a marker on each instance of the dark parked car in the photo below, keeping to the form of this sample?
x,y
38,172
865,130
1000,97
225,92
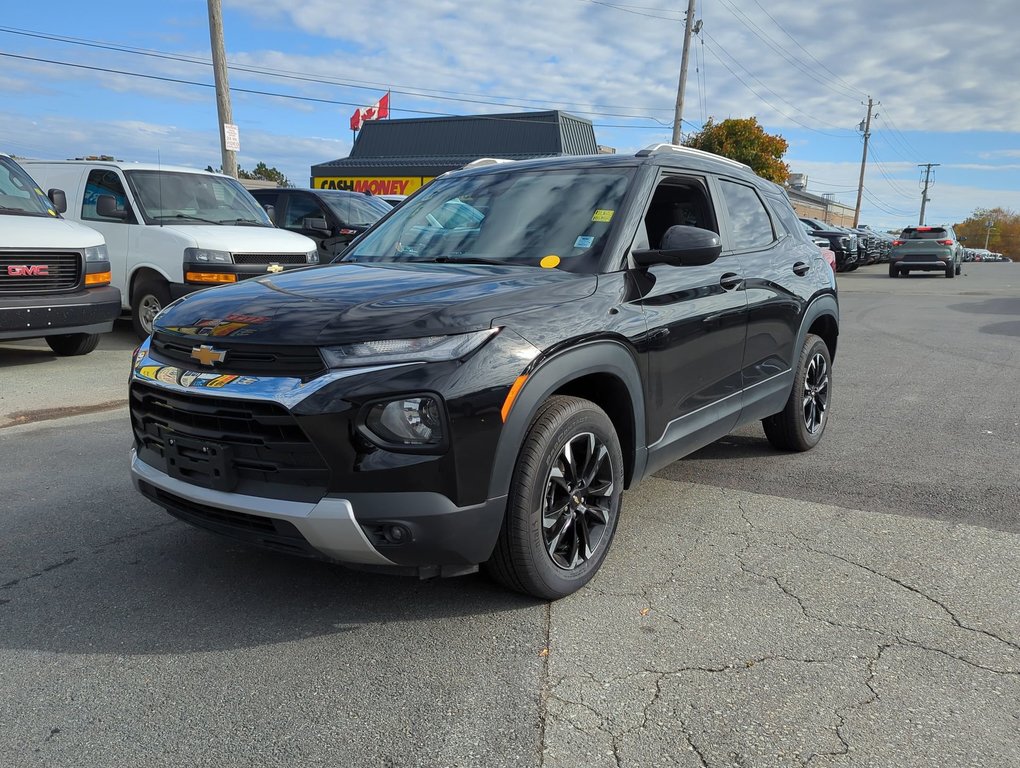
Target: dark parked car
x,y
489,367
926,249
331,217
842,242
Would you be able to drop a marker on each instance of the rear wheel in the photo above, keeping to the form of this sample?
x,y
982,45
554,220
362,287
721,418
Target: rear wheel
x,y
799,426
71,344
893,272
149,296
959,268
564,503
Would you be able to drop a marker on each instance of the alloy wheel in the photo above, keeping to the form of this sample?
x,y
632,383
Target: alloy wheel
x,y
816,393
578,508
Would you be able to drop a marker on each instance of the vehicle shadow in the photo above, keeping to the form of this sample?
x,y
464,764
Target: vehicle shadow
x,y
171,589
734,447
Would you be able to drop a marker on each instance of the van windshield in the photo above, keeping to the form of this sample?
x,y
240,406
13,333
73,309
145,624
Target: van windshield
x,y
19,195
194,198
544,218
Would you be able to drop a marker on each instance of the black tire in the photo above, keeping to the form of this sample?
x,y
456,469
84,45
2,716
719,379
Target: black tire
x,y
539,553
149,296
71,344
799,426
959,268
893,272
950,272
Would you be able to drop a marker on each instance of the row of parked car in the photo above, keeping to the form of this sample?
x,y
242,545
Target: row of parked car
x,y
852,248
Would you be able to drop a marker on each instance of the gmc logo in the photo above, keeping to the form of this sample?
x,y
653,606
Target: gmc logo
x,y
28,270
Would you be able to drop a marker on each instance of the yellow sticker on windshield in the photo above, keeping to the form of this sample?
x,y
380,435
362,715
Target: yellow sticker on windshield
x,y
550,262
51,212
601,215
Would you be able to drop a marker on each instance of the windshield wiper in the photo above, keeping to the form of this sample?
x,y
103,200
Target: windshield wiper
x,y
466,260
245,223
20,211
187,217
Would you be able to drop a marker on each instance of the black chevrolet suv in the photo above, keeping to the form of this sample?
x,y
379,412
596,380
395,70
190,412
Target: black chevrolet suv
x,y
483,372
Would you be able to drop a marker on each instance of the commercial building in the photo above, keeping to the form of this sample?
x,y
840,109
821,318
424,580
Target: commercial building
x,y
823,207
396,157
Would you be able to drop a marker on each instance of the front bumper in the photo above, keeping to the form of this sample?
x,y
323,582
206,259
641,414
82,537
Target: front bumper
x,y
297,478
90,310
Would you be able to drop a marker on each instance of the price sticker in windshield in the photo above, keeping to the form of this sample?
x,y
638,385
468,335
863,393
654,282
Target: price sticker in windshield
x,y
601,215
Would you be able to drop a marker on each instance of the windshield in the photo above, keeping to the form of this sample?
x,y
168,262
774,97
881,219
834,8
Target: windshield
x,y
19,195
354,209
541,218
194,198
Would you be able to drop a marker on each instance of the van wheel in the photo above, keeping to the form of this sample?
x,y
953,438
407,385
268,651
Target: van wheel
x,y
799,426
71,344
149,296
564,503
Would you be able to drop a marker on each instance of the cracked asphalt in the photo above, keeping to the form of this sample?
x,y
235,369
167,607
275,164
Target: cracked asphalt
x,y
856,606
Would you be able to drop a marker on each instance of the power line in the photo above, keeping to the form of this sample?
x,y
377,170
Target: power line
x,y
636,10
294,97
427,93
777,48
719,58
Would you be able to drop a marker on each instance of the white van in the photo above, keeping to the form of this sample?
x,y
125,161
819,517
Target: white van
x,y
172,230
54,274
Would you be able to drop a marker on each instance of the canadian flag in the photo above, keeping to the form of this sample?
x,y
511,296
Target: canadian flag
x,y
378,111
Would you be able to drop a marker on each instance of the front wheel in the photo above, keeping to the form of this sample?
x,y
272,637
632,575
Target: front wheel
x,y
149,296
799,426
564,503
951,272
72,344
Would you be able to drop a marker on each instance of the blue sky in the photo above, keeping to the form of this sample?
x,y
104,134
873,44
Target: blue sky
x,y
947,88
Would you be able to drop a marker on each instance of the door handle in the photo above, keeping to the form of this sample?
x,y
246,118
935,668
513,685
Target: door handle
x,y
801,269
730,280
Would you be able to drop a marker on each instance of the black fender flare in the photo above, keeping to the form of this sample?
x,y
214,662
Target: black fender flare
x,y
598,356
826,304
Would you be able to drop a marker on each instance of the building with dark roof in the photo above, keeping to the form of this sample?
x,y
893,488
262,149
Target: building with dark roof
x,y
399,156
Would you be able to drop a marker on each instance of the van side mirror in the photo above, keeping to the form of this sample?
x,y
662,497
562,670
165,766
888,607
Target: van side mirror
x,y
59,200
106,206
682,246
270,212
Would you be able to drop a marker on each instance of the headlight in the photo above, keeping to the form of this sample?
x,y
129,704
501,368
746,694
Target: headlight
x,y
425,349
408,421
206,256
312,257
97,253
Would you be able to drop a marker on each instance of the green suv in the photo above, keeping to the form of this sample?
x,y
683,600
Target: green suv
x,y
928,249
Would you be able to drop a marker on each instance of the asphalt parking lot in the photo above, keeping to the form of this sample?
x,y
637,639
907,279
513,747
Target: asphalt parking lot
x,y
853,606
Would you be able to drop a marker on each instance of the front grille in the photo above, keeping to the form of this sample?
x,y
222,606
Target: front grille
x,y
280,535
253,359
269,258
267,452
19,272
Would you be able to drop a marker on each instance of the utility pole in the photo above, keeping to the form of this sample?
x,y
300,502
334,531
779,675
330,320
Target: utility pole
x,y
864,161
924,193
988,232
682,86
219,58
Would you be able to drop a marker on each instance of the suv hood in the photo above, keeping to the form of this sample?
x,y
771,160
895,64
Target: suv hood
x,y
344,303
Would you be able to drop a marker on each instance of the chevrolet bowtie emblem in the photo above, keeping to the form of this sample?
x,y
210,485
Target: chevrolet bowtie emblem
x,y
206,355
274,268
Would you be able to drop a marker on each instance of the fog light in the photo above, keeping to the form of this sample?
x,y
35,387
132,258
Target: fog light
x,y
396,534
407,421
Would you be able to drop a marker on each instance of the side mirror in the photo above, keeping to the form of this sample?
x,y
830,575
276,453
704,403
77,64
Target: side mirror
x,y
318,224
682,246
59,200
270,212
106,206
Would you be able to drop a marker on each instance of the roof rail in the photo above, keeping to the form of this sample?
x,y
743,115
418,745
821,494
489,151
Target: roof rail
x,y
663,148
483,161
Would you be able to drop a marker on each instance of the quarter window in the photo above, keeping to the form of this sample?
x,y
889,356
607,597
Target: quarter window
x,y
301,207
749,221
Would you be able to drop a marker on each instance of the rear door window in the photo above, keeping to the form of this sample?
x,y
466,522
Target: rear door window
x,y
750,225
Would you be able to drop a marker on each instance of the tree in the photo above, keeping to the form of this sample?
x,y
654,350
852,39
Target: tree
x,y
261,172
743,140
1003,236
